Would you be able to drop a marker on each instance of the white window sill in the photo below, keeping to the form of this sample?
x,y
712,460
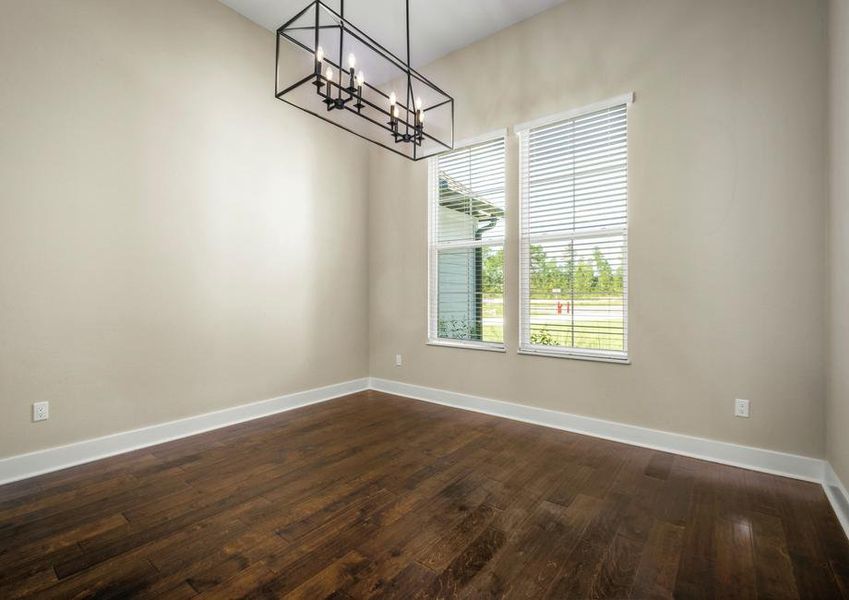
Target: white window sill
x,y
618,360
485,346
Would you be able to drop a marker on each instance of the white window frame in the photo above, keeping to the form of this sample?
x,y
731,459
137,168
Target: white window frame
x,y
434,247
525,241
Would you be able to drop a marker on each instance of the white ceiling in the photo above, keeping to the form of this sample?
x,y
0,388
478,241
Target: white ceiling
x,y
438,27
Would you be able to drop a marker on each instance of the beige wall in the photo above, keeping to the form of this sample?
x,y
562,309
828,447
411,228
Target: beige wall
x,y
728,206
170,243
837,410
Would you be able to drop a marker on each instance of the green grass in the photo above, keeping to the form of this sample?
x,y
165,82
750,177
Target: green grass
x,y
589,335
558,333
589,340
493,333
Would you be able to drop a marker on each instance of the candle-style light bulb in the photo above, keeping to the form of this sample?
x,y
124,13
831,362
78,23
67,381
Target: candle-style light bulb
x,y
393,117
393,111
361,79
418,103
319,54
352,62
421,117
329,76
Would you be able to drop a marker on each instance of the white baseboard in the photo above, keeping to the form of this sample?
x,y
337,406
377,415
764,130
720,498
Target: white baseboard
x,y
757,459
838,496
53,459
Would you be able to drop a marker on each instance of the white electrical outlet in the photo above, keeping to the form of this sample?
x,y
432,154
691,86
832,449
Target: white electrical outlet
x,y
399,360
741,408
40,411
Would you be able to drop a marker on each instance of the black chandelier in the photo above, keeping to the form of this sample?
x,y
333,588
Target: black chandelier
x,y
417,124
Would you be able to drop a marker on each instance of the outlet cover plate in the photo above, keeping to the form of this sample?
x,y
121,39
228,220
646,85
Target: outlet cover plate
x,y
40,411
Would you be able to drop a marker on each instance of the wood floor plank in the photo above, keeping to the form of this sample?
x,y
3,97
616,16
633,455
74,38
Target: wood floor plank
x,y
460,572
331,579
406,584
660,465
243,584
31,585
536,550
375,496
393,548
440,554
585,563
304,560
774,569
618,568
697,566
658,568
734,557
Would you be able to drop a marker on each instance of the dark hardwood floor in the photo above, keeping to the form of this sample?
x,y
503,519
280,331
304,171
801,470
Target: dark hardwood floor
x,y
376,496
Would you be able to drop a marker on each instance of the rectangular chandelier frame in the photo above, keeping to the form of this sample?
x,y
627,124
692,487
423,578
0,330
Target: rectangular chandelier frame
x,y
359,106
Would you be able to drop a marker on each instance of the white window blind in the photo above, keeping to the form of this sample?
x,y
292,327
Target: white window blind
x,y
574,234
466,290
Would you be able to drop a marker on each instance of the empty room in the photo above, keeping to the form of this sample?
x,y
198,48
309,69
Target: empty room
x,y
424,299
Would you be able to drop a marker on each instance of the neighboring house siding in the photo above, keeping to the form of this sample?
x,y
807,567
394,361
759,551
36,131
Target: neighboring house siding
x,y
457,281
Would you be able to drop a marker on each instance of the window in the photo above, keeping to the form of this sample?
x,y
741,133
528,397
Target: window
x,y
574,234
466,295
